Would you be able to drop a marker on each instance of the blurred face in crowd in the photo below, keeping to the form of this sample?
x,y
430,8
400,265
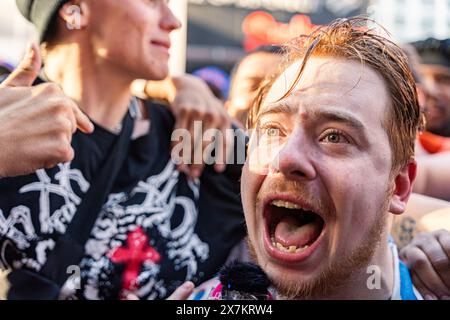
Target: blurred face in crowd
x,y
247,79
316,208
130,35
437,85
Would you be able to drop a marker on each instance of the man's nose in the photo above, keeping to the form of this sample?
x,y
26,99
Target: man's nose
x,y
169,22
294,158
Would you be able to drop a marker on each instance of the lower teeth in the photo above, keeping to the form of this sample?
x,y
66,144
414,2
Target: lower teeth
x,y
291,249
301,249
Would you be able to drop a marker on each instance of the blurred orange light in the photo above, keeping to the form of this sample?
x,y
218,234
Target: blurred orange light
x,y
261,28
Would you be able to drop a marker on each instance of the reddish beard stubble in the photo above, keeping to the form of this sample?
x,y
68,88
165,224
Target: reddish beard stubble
x,y
338,272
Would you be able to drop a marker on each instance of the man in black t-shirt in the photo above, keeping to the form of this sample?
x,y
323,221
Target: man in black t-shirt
x,y
157,228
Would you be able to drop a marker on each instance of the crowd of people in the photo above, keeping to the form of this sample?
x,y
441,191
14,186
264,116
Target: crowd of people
x,y
345,140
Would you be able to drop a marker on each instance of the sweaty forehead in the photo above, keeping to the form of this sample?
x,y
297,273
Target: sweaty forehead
x,y
331,81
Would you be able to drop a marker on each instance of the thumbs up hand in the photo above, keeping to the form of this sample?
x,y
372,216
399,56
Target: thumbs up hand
x,y
27,71
36,123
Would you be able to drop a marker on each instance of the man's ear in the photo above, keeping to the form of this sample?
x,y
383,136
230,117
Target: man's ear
x,y
75,13
403,187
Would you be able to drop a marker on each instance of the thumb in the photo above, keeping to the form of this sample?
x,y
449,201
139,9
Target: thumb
x,y
27,71
183,292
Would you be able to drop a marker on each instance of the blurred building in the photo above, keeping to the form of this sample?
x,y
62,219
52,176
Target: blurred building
x,y
410,20
219,31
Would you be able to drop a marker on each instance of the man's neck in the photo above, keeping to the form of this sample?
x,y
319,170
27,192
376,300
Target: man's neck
x,y
101,90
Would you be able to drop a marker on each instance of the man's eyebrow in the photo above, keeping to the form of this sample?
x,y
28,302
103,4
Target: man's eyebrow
x,y
337,116
278,107
315,114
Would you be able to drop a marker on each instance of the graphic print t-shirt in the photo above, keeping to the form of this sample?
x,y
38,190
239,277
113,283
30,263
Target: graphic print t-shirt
x,y
156,230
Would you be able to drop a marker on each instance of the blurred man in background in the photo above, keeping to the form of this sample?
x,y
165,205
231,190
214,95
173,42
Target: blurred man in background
x,y
435,70
246,78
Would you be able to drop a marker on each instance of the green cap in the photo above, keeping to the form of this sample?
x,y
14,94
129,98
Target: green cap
x,y
40,13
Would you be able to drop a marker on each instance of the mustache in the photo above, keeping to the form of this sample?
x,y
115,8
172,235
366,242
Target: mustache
x,y
299,191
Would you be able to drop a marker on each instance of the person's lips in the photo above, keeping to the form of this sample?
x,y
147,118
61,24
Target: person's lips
x,y
161,45
293,229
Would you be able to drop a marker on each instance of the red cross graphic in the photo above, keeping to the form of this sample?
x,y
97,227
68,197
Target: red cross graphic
x,y
134,255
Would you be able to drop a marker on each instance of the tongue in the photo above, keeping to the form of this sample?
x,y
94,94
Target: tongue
x,y
291,232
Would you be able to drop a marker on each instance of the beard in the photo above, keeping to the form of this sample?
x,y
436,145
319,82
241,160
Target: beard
x,y
338,272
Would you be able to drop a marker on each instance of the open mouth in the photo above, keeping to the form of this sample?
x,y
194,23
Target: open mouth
x,y
292,231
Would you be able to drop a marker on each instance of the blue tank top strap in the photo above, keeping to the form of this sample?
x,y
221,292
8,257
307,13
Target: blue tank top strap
x,y
406,286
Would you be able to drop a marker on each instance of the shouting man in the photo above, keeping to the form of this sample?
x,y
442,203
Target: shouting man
x,y
338,123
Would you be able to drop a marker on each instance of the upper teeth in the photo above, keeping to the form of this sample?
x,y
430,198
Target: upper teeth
x,y
285,204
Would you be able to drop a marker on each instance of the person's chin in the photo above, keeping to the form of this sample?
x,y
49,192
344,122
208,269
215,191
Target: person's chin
x,y
161,75
156,74
293,282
